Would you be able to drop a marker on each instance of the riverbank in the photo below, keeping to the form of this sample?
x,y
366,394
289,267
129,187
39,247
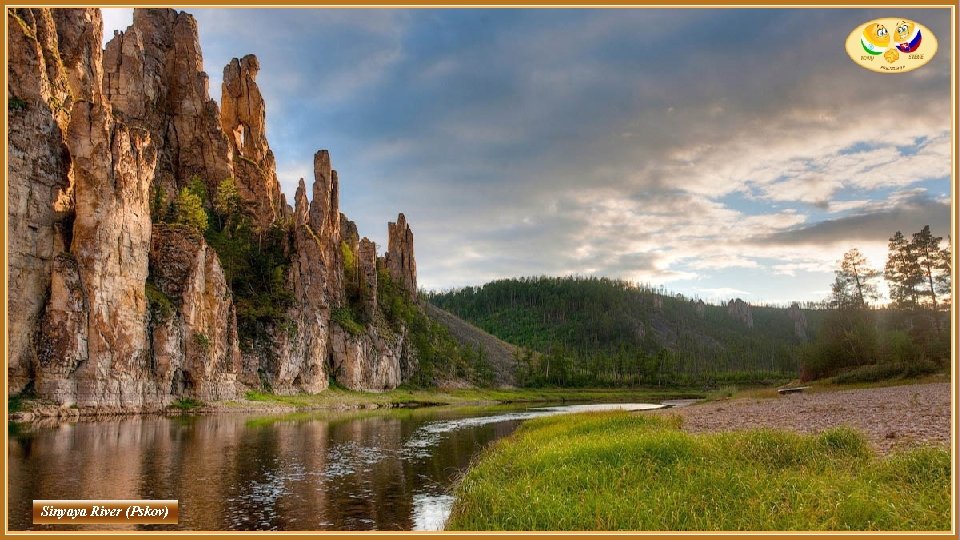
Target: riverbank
x,y
890,417
628,471
831,459
341,399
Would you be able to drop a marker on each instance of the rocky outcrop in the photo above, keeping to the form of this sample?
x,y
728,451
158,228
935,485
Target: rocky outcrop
x,y
740,310
370,360
367,275
243,119
112,308
400,262
94,351
195,343
112,167
154,79
349,232
39,184
701,308
302,361
799,321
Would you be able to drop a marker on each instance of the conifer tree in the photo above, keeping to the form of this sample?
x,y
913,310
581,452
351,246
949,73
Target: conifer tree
x,y
854,285
930,259
902,272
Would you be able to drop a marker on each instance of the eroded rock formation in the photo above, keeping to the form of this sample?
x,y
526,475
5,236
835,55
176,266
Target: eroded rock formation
x,y
399,259
367,275
740,310
113,306
799,320
195,342
244,121
153,77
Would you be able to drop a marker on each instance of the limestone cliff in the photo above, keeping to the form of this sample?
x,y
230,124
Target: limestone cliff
x,y
119,302
244,121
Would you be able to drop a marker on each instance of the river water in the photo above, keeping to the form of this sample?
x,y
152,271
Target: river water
x,y
369,470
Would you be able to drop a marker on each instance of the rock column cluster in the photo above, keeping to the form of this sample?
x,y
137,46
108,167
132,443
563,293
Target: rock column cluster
x,y
111,307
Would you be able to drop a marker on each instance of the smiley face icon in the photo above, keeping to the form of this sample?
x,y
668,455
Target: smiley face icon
x,y
875,39
907,36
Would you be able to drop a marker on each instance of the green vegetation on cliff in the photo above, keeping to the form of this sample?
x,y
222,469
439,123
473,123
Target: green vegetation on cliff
x,y
627,471
254,262
441,359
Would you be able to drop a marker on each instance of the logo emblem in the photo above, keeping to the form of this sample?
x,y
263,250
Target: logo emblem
x,y
891,45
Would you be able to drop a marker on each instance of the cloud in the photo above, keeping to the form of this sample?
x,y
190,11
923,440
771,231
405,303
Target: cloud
x,y
653,144
724,292
908,216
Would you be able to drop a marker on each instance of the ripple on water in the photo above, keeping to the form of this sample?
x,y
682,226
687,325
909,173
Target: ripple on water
x,y
349,458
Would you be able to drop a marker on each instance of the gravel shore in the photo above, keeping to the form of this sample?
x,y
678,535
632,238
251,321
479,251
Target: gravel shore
x,y
891,417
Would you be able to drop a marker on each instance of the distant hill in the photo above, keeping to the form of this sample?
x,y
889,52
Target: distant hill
x,y
604,331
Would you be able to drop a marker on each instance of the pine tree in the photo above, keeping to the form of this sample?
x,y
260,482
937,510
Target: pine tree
x,y
902,272
930,259
854,285
227,203
946,272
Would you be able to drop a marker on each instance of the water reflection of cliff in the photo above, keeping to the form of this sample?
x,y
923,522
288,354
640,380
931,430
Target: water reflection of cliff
x,y
383,471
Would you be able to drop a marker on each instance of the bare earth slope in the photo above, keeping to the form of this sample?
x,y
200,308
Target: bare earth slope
x,y
890,417
498,353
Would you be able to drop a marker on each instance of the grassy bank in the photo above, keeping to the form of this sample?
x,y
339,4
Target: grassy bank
x,y
342,398
622,471
337,398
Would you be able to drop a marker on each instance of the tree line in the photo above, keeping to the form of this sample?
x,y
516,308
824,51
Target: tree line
x,y
862,341
594,331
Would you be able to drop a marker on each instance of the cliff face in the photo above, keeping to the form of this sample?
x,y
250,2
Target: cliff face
x,y
116,303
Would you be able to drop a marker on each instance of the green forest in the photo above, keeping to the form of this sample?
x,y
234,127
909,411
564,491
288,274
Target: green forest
x,y
588,331
593,331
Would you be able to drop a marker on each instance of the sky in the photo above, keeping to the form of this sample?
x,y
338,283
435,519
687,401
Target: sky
x,y
716,153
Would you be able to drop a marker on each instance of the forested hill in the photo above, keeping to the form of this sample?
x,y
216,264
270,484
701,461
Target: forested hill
x,y
603,331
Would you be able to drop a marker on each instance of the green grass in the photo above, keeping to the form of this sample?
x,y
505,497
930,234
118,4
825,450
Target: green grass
x,y
623,471
186,404
338,397
15,403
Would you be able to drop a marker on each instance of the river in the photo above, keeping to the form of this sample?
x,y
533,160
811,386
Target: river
x,y
362,470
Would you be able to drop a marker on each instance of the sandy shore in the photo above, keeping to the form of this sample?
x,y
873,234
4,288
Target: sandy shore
x,y
891,417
